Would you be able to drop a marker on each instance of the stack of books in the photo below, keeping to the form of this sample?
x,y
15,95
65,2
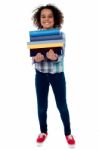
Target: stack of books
x,y
41,41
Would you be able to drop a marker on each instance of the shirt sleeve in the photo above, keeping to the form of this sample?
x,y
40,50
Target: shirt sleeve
x,y
33,62
60,58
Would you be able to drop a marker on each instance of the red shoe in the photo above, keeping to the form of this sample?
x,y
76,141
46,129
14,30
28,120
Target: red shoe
x,y
41,138
70,140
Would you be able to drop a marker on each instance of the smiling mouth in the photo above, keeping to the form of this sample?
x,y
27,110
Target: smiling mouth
x,y
46,23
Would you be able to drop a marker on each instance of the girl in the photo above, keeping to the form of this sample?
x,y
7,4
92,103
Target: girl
x,y
50,73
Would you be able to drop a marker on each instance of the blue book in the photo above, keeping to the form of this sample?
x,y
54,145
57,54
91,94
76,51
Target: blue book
x,y
45,42
45,38
44,32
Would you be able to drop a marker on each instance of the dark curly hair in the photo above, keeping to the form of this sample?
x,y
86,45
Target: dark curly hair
x,y
58,16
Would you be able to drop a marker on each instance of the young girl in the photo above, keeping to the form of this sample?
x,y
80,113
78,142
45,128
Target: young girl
x,y
50,73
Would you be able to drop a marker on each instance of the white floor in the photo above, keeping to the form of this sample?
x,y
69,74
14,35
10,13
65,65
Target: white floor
x,y
18,114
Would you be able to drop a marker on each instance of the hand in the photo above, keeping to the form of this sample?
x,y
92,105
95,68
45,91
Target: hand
x,y
51,55
38,58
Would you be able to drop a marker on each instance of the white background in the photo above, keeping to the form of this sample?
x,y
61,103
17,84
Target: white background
x,y
18,114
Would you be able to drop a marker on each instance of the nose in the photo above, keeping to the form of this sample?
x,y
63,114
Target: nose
x,y
46,18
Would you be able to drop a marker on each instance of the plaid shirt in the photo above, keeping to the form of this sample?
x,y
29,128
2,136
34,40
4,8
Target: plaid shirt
x,y
52,66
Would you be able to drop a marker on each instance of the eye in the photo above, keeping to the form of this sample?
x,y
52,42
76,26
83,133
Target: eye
x,y
42,16
50,16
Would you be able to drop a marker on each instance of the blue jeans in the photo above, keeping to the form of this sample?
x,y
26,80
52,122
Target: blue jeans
x,y
57,81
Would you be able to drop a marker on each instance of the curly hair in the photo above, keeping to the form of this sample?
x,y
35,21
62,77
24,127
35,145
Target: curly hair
x,y
57,14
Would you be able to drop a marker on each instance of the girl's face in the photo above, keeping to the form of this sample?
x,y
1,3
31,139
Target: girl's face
x,y
47,19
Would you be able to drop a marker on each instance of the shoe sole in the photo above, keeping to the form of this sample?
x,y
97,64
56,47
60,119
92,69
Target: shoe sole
x,y
39,144
71,146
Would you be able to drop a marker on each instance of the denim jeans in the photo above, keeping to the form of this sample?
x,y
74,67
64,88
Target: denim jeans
x,y
58,83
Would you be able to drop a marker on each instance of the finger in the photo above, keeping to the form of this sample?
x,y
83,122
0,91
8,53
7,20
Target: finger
x,y
47,53
51,50
42,57
56,55
38,54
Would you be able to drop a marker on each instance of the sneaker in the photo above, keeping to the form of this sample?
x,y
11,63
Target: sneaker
x,y
41,138
70,140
